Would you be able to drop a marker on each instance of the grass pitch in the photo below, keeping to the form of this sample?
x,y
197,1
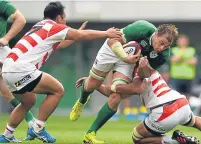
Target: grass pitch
x,y
67,132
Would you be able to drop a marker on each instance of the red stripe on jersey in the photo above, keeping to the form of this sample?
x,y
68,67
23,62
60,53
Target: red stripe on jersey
x,y
160,86
170,109
45,58
36,65
42,33
156,80
56,28
163,92
21,47
13,56
55,46
31,41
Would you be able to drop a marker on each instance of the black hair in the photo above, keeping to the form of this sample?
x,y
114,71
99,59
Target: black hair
x,y
53,9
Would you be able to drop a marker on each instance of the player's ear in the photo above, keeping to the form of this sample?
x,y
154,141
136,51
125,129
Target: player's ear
x,y
58,19
156,33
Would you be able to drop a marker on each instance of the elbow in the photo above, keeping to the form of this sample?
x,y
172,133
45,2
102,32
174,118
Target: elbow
x,y
23,22
19,18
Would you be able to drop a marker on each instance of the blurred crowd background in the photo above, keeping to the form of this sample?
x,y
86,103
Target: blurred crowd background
x,y
183,72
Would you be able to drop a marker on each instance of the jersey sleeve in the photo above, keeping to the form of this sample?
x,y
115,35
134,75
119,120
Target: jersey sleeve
x,y
138,30
6,8
58,32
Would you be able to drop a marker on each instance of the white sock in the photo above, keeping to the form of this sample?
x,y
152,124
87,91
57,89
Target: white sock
x,y
30,123
169,140
38,125
9,131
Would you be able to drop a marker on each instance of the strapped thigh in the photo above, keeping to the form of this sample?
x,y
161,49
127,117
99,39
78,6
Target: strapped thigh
x,y
136,136
119,81
93,74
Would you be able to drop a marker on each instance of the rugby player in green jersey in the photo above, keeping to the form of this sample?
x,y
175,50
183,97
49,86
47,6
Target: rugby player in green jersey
x,y
8,11
155,44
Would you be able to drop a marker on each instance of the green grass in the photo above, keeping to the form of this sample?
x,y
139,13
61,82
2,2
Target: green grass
x,y
67,132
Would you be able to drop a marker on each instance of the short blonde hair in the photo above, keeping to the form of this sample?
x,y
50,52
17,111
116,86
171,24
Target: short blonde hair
x,y
170,30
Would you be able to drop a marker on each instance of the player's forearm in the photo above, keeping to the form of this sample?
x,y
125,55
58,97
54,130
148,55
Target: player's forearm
x,y
117,48
92,34
18,23
65,44
130,89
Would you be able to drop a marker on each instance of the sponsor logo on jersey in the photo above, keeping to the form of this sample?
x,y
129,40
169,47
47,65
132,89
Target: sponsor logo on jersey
x,y
143,43
153,54
20,82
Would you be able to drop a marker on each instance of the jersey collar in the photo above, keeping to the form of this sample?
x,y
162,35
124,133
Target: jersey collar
x,y
150,41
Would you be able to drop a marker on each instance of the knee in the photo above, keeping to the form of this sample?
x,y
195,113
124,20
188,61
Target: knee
x,y
60,90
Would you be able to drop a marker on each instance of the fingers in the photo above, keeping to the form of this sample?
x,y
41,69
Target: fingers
x,y
143,62
117,29
139,53
83,26
79,82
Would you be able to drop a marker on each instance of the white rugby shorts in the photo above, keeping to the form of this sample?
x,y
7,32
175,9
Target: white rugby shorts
x,y
107,61
163,119
18,75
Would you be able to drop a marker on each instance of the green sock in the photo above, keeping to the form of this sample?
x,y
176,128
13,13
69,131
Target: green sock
x,y
103,116
29,117
84,94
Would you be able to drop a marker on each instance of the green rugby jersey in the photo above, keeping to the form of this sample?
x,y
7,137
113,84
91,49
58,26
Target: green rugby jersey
x,y
6,9
142,31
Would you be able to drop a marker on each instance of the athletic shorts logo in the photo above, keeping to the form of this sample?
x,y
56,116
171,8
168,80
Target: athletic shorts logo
x,y
27,77
160,129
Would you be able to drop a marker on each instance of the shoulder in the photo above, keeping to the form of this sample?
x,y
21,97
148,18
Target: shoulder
x,y
58,27
4,3
7,8
146,25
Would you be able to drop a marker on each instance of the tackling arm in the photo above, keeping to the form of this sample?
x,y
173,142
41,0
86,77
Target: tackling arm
x,y
136,87
74,34
66,43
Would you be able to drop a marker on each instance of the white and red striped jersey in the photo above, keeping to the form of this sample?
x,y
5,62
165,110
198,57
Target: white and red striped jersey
x,y
158,92
38,44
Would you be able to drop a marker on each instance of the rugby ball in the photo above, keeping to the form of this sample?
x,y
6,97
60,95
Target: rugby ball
x,y
132,47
